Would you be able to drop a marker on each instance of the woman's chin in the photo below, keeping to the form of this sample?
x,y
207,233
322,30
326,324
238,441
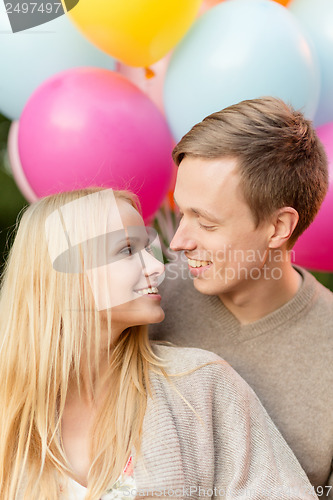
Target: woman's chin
x,y
151,316
141,311
159,317
149,309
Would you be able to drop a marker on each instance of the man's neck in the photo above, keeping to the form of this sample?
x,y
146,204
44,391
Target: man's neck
x,y
262,297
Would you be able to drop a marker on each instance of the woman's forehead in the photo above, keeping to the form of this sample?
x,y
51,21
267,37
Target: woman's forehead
x,y
86,218
129,216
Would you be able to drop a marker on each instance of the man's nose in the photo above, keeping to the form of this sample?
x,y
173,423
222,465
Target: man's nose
x,y
183,239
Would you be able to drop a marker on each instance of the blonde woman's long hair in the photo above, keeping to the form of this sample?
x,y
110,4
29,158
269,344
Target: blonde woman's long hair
x,y
42,340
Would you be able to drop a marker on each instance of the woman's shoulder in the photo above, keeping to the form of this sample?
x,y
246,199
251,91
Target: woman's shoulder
x,y
201,376
205,369
180,359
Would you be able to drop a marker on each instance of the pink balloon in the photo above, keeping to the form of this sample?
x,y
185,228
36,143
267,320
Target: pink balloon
x,y
314,249
16,166
90,126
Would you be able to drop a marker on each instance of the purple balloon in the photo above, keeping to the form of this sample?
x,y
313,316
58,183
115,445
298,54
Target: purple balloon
x,y
92,127
314,249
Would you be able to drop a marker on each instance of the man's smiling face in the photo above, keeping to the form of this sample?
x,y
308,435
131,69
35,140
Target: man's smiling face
x,y
224,247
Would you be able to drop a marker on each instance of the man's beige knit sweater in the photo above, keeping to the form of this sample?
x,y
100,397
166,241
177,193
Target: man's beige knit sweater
x,y
286,357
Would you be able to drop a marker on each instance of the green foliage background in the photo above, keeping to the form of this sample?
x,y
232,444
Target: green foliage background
x,y
12,201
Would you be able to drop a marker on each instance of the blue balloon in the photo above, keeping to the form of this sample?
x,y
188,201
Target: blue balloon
x,y
240,49
29,57
316,17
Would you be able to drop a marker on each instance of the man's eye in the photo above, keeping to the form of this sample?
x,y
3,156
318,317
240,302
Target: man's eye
x,y
180,217
207,228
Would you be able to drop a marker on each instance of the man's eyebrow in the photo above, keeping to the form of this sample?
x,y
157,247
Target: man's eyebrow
x,y
202,213
206,215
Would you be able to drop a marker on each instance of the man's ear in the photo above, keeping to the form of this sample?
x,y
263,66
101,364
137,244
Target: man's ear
x,y
284,221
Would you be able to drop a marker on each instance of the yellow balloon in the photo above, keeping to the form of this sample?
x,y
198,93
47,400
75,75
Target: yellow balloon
x,y
136,32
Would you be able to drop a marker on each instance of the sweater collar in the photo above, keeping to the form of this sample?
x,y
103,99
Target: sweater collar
x,y
271,321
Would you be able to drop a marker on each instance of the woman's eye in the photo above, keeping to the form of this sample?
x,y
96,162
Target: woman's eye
x,y
127,250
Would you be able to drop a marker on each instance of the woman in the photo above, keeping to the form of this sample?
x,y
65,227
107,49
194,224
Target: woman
x,y
88,408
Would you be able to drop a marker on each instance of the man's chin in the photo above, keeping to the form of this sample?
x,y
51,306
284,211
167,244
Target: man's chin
x,y
205,286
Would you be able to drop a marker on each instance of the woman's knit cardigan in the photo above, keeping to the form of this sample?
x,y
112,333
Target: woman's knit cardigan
x,y
224,444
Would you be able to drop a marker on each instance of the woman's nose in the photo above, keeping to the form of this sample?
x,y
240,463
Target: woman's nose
x,y
152,265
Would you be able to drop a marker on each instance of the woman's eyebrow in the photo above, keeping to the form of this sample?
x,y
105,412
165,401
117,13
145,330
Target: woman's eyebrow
x,y
130,240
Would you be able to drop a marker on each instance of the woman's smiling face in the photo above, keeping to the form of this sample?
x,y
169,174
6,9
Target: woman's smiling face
x,y
127,272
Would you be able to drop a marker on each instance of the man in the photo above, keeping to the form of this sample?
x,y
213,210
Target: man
x,y
251,179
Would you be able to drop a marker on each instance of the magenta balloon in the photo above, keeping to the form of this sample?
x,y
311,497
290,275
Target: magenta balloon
x,y
314,249
89,126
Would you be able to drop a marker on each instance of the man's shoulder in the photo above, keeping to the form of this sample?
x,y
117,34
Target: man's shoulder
x,y
322,297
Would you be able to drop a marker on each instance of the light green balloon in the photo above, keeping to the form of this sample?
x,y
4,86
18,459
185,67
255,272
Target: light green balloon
x,y
316,17
240,49
29,57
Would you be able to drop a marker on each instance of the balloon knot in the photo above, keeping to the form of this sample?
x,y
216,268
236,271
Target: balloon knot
x,y
149,73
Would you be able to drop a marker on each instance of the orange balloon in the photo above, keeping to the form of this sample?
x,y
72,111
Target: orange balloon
x,y
208,4
283,2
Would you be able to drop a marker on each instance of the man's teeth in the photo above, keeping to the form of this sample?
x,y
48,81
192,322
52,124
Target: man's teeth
x,y
146,291
198,263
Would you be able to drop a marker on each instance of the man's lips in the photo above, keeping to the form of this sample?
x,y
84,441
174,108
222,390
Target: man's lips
x,y
197,263
198,267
